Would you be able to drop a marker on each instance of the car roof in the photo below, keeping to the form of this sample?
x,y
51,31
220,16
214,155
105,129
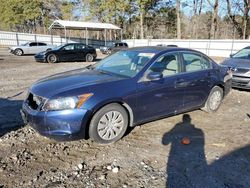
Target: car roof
x,y
159,49
75,43
247,47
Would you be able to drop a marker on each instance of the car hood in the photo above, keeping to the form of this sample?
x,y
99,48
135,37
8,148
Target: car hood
x,y
234,62
67,81
15,47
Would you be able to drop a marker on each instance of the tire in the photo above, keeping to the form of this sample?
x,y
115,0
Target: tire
x,y
18,52
89,58
214,100
109,52
108,124
51,58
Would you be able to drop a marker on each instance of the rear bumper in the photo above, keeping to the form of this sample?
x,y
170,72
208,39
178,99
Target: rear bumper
x,y
59,125
241,82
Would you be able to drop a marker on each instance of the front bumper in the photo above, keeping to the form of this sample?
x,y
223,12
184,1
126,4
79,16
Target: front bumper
x,y
59,125
39,58
11,51
241,82
104,51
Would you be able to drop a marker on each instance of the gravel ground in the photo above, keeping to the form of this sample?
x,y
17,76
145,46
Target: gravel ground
x,y
151,155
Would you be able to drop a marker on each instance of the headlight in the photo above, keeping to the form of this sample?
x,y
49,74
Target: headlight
x,y
66,103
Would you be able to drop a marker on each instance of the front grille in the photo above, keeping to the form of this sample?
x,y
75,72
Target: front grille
x,y
35,102
240,81
241,70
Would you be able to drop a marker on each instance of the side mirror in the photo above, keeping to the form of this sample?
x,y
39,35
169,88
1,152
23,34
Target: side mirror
x,y
231,55
154,76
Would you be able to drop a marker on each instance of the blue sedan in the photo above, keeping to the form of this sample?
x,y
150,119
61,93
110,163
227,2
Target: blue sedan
x,y
125,89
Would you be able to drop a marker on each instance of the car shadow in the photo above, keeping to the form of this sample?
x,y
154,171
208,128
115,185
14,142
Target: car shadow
x,y
241,89
187,165
10,117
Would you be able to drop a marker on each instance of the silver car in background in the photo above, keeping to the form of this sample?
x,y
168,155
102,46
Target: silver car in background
x,y
239,63
30,48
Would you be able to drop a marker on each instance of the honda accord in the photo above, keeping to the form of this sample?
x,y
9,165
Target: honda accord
x,y
125,89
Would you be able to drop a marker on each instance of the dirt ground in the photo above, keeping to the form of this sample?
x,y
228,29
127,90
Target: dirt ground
x,y
151,155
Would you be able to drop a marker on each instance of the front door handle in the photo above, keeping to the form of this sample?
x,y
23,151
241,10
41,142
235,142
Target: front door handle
x,y
180,83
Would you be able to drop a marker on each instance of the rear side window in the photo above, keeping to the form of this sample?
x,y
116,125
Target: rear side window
x,y
41,44
195,62
167,65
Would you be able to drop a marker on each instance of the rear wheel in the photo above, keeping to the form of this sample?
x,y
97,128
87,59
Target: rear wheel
x,y
51,58
214,100
89,58
18,52
108,124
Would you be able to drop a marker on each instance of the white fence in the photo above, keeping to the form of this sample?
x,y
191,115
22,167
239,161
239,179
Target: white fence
x,y
13,39
220,48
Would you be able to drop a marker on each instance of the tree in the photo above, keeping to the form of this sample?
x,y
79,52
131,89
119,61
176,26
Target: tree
x,y
178,20
214,23
244,9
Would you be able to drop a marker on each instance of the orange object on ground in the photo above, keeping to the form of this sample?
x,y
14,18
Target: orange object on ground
x,y
185,141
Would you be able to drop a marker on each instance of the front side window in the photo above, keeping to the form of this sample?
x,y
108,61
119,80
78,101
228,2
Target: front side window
x,y
80,46
124,63
42,44
33,44
243,54
69,47
167,65
195,62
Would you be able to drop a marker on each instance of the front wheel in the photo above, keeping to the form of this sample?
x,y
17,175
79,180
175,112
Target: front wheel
x,y
51,58
214,100
89,58
109,52
108,124
18,52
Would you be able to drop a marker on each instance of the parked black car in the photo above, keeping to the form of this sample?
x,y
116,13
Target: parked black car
x,y
68,52
240,65
167,45
115,47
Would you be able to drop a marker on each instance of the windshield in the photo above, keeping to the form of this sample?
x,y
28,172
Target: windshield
x,y
124,63
58,47
25,44
243,54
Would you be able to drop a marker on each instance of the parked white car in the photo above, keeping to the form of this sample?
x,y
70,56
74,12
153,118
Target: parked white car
x,y
30,48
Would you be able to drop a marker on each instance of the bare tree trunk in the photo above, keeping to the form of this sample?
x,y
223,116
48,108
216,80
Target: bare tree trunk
x,y
245,17
178,19
200,8
214,24
141,23
194,19
232,18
